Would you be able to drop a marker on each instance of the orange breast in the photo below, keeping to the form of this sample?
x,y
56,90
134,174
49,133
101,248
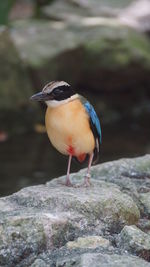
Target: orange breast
x,y
69,130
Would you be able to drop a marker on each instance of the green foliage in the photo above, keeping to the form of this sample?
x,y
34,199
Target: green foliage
x,y
5,7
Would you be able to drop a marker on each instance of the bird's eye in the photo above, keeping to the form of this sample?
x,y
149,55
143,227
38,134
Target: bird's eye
x,y
57,91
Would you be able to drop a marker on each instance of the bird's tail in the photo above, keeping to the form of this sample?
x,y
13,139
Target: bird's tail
x,y
82,161
96,154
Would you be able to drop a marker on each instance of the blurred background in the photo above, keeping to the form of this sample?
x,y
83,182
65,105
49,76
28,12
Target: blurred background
x,y
102,48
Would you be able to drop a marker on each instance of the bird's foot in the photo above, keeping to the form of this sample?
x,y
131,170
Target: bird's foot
x,y
67,183
86,182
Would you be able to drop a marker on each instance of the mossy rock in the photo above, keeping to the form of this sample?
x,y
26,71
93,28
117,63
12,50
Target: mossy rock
x,y
16,110
84,55
15,86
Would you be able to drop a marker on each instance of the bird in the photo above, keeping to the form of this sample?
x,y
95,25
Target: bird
x,y
72,125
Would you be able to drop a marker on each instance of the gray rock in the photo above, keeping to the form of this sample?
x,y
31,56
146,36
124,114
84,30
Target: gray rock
x,y
144,225
133,239
137,15
88,242
104,260
40,263
65,10
93,46
102,201
15,86
131,175
145,200
52,224
37,222
134,13
25,234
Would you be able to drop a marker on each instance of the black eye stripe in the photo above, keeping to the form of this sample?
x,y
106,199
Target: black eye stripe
x,y
58,90
63,88
62,92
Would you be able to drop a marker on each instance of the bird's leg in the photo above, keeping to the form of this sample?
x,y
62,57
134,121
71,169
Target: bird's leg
x,y
88,176
68,182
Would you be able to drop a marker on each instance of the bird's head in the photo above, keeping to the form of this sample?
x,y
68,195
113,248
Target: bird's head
x,y
55,93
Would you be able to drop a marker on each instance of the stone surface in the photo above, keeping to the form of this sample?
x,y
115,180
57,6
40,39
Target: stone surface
x,y
15,86
133,239
25,234
132,175
88,242
16,111
40,263
102,201
36,47
144,225
145,200
55,225
113,50
104,260
134,13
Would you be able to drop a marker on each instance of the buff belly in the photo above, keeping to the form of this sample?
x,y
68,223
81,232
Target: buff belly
x,y
69,130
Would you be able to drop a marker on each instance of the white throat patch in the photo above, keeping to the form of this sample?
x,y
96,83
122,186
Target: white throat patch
x,y
56,103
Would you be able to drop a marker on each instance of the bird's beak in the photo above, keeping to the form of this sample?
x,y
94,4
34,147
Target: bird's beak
x,y
40,97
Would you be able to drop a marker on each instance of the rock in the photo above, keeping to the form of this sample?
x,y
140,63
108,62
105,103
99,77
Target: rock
x,y
40,263
104,260
132,175
133,239
104,8
43,218
144,225
88,242
145,200
28,233
65,10
135,14
104,201
109,50
15,88
55,225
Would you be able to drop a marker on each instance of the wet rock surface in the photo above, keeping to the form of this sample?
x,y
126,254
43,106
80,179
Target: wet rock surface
x,y
53,225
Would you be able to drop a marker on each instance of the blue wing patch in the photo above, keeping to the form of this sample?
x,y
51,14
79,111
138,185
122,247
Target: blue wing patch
x,y
94,118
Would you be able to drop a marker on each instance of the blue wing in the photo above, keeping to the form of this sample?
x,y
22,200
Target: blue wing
x,y
94,120
95,127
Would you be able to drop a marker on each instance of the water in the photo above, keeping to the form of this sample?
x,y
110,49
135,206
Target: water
x,y
30,159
